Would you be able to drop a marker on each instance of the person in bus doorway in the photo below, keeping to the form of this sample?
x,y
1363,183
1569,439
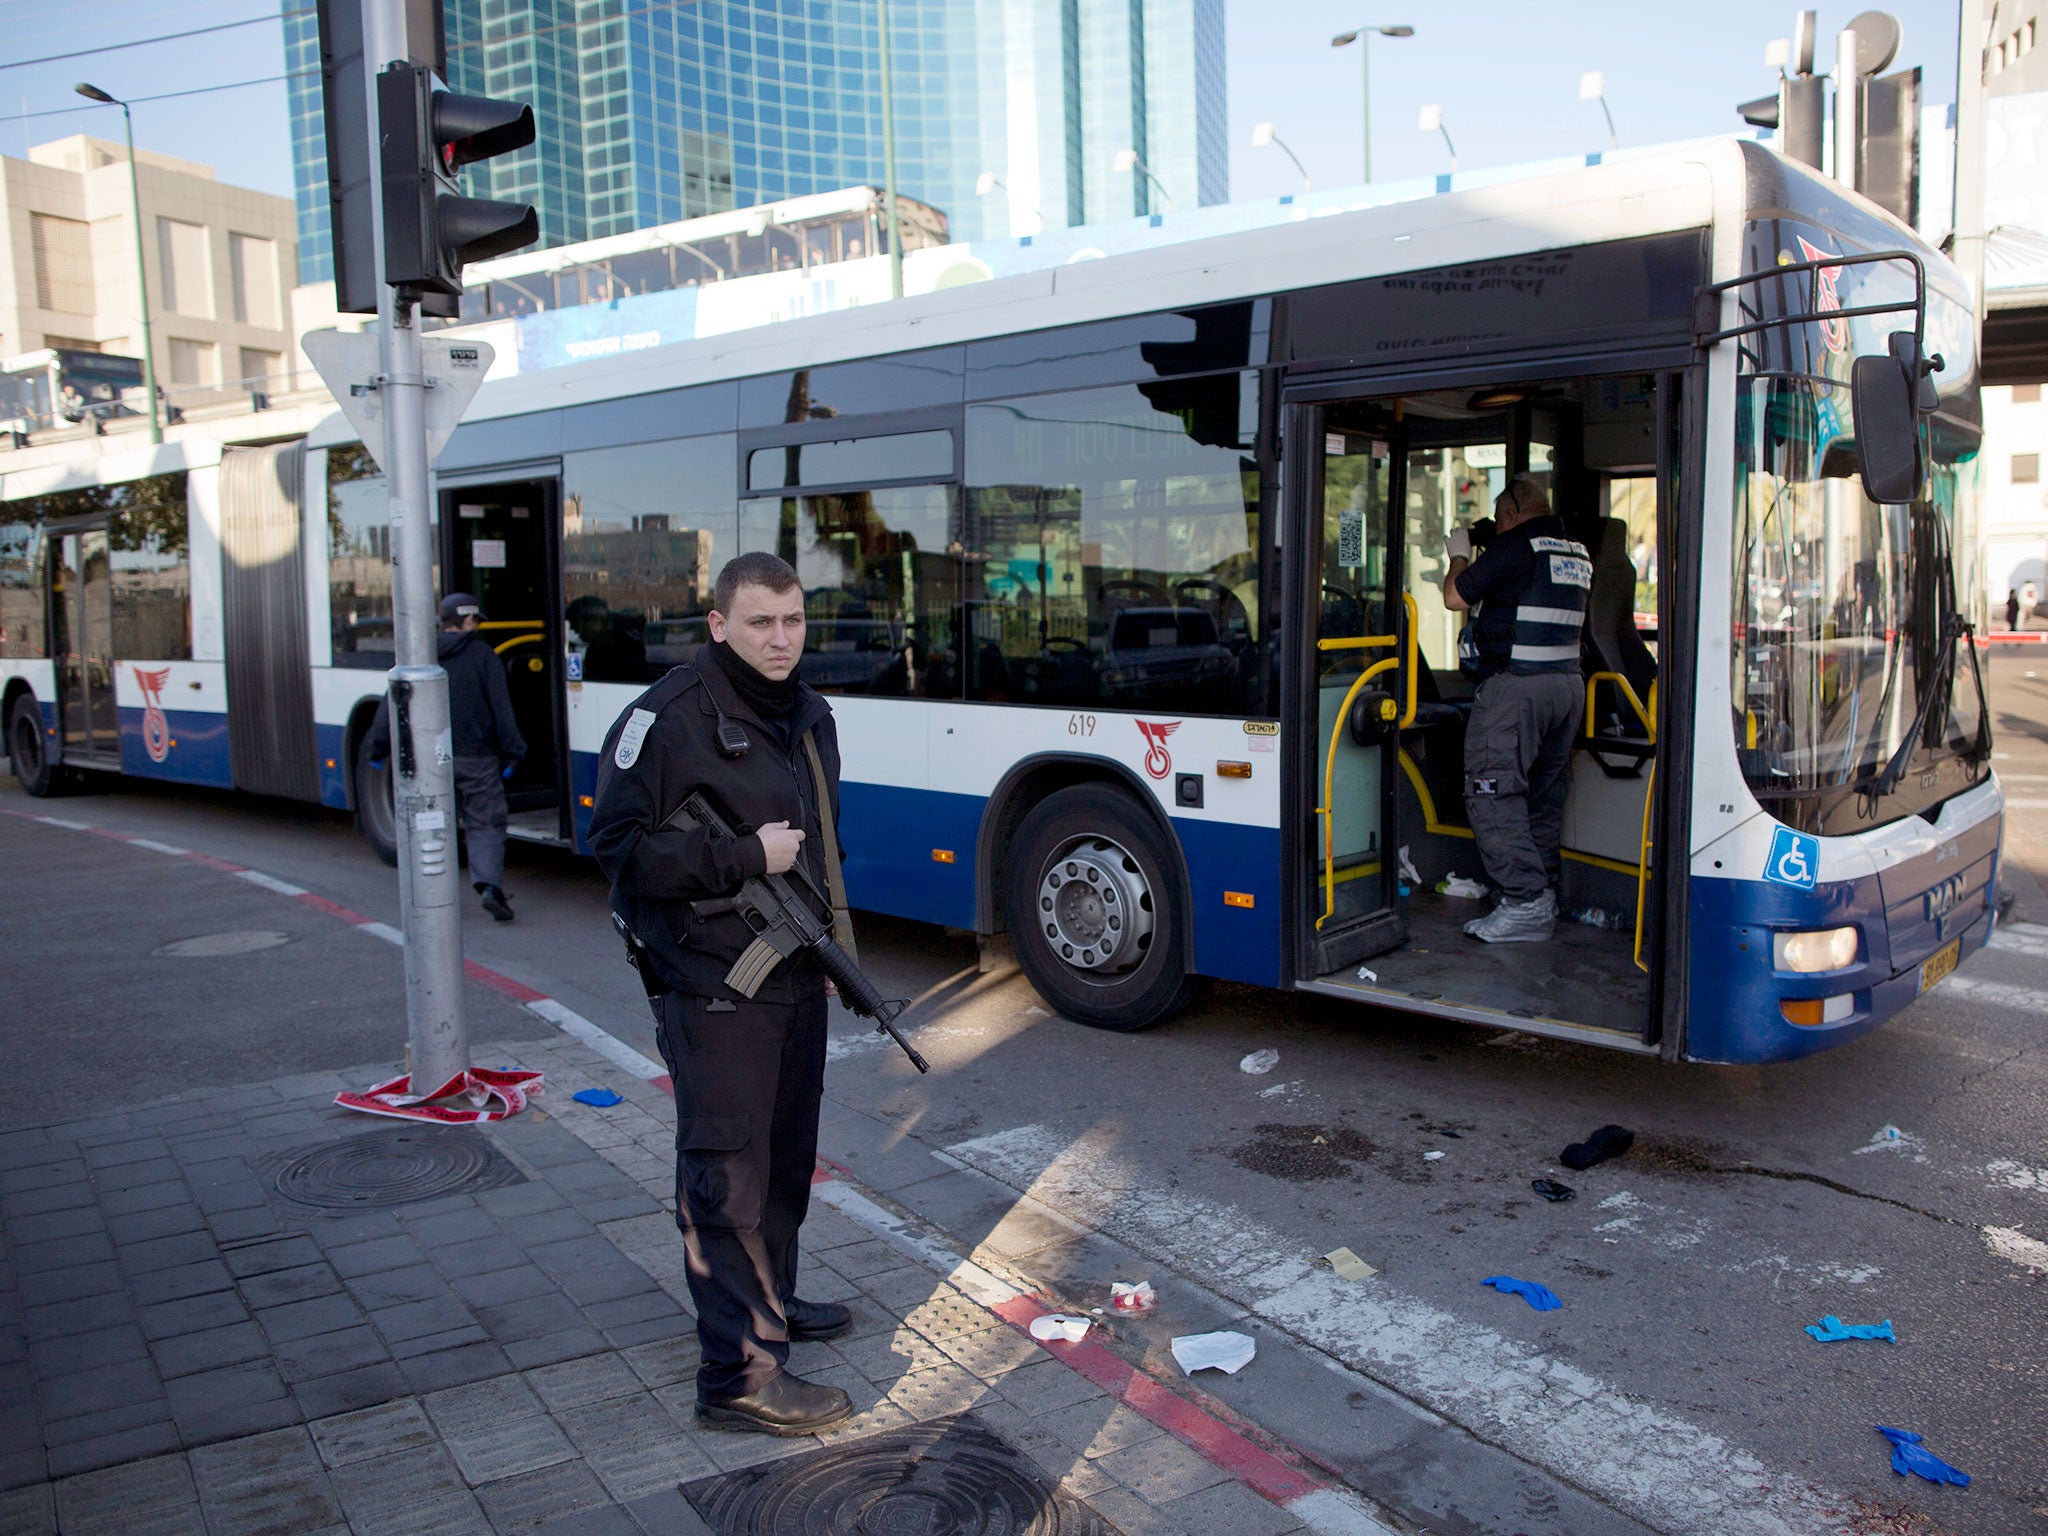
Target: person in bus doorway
x,y
488,746
1527,597
2012,610
736,723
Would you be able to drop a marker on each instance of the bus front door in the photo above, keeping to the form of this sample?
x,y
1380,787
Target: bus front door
x,y
82,646
1349,585
500,544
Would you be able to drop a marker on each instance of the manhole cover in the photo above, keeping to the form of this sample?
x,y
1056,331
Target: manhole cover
x,y
393,1167
951,1477
206,945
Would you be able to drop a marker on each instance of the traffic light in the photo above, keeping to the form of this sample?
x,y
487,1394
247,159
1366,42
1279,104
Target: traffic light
x,y
430,229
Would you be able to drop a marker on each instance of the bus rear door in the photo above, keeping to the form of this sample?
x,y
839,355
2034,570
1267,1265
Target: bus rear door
x,y
82,644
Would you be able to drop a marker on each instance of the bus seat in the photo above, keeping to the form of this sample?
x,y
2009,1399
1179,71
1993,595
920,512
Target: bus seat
x,y
1612,644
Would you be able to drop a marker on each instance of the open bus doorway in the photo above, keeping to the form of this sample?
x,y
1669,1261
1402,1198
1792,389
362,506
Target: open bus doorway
x,y
1383,862
499,543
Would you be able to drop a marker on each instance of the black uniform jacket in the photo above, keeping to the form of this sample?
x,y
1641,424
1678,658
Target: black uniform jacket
x,y
657,870
479,704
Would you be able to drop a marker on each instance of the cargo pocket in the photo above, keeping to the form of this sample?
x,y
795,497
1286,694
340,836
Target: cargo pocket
x,y
720,1195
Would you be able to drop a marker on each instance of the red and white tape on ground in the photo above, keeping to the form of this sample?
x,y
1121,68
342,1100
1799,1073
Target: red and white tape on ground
x,y
1324,1507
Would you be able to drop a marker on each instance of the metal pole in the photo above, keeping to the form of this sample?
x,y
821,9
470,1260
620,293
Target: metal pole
x,y
1365,97
1967,221
1848,111
889,159
423,758
156,428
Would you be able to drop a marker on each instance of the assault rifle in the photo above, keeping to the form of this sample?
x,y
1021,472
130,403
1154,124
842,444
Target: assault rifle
x,y
784,924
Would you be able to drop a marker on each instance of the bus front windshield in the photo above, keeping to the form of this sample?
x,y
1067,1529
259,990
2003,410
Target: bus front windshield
x,y
1849,643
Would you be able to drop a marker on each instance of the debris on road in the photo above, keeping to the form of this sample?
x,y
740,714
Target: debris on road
x,y
1609,1141
1260,1062
1226,1352
1432,1157
1408,871
1832,1330
477,1087
2015,1247
597,1098
1365,973
1132,1300
1553,1191
1070,1326
1348,1265
1541,1297
1460,886
1909,1456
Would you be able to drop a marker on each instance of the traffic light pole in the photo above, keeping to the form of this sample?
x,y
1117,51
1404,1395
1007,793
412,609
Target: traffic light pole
x,y
423,758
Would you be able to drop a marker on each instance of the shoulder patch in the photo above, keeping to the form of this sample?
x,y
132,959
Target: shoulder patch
x,y
1554,546
627,752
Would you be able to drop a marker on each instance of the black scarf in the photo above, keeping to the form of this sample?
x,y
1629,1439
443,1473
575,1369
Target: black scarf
x,y
773,701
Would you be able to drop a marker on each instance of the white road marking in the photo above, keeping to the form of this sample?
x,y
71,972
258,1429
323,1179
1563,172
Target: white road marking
x,y
384,931
59,821
2015,1247
2026,805
155,847
272,883
606,1044
2018,943
2013,1175
1996,993
1663,1469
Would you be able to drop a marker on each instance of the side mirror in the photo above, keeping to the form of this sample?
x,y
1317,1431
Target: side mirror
x,y
1888,458
1920,368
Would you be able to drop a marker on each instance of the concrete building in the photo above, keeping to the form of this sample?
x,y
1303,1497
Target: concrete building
x,y
220,260
667,112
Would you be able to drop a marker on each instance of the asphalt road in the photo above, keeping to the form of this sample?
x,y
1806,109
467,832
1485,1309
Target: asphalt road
x,y
1899,1177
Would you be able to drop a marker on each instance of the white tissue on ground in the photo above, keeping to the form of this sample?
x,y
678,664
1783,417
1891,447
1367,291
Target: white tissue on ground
x,y
1260,1062
1226,1352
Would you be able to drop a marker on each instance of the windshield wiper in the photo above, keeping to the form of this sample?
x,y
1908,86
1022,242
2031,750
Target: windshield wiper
x,y
1954,628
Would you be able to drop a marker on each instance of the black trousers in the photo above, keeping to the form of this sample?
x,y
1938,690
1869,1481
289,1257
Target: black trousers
x,y
748,1083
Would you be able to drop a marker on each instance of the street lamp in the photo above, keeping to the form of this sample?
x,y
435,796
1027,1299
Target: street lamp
x,y
989,181
94,93
1130,160
1593,87
889,157
1363,37
1263,134
1431,120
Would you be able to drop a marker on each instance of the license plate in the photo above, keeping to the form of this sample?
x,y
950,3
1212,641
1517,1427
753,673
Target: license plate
x,y
1940,963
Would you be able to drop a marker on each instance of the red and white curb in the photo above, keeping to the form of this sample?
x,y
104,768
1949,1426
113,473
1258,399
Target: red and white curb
x,y
1323,1507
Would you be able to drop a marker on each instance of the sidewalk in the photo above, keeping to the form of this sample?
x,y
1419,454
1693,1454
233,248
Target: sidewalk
x,y
216,1317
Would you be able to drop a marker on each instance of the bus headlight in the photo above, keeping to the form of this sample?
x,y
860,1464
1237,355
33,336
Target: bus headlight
x,y
1829,949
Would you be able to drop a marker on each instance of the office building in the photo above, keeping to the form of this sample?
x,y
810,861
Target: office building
x,y
651,114
220,262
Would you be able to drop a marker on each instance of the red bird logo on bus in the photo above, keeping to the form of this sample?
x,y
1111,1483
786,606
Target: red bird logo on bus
x,y
1158,761
1826,299
156,728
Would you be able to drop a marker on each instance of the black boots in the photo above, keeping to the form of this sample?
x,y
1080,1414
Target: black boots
x,y
788,1405
496,902
812,1322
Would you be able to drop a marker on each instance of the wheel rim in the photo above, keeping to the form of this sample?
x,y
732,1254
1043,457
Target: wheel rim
x,y
28,746
373,790
1095,908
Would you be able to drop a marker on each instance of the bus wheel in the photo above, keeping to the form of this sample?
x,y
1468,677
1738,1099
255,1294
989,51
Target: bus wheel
x,y
375,818
1094,908
25,748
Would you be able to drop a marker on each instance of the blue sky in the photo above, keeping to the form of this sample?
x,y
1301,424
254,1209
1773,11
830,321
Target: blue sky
x,y
1505,73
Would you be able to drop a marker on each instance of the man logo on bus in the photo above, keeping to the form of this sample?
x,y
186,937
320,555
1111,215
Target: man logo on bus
x,y
1794,859
1826,299
156,729
1158,761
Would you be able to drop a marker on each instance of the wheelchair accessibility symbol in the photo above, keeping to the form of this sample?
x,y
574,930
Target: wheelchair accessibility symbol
x,y
1794,859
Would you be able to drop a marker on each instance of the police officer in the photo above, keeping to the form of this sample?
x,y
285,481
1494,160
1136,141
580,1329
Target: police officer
x,y
1527,593
749,1073
488,746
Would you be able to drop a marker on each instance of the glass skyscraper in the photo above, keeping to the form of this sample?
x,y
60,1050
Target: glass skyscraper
x,y
656,110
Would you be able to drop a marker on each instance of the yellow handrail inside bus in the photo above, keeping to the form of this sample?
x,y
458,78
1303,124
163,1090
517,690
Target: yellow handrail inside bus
x,y
1414,625
1357,643
1643,866
1648,715
1329,786
505,645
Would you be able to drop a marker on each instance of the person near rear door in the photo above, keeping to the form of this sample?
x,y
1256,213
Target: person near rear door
x,y
735,723
488,746
1527,596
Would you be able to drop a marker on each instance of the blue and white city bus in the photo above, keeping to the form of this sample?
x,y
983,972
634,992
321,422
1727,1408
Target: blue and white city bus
x,y
1124,579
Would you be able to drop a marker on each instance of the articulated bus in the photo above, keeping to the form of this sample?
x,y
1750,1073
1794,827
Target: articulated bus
x,y
1124,580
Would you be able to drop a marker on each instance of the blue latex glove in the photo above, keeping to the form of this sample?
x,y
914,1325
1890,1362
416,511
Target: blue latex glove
x,y
1541,1297
1832,1330
603,1098
509,771
1907,1456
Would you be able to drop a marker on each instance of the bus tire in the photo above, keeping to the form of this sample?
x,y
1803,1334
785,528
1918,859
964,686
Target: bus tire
x,y
375,818
25,749
1108,952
